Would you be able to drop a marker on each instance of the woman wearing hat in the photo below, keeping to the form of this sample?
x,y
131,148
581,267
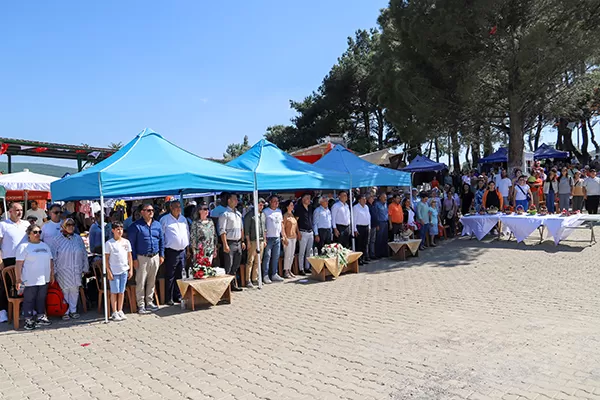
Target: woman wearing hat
x,y
70,261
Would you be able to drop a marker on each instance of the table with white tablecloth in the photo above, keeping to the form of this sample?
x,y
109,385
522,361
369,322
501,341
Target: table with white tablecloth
x,y
559,228
479,225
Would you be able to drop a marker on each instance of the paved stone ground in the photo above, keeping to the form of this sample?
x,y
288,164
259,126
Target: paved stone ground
x,y
467,320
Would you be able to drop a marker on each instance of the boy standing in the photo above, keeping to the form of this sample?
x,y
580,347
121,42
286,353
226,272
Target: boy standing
x,y
119,269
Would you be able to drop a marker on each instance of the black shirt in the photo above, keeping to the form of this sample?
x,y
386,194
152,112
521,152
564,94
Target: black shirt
x,y
305,217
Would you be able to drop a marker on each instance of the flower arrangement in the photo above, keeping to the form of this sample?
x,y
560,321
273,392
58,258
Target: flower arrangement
x,y
336,250
492,210
532,210
202,266
520,210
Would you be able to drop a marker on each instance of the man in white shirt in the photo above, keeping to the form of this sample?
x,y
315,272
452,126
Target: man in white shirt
x,y
177,239
361,220
591,192
274,233
52,227
322,223
340,220
504,185
12,234
36,212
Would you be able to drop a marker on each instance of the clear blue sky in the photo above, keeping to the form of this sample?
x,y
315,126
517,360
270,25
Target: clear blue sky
x,y
202,73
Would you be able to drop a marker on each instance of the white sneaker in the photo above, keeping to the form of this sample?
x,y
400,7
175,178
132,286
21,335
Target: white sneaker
x,y
3,316
122,315
116,316
276,278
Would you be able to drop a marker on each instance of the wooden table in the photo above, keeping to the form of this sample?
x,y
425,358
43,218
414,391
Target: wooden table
x,y
212,290
323,267
400,248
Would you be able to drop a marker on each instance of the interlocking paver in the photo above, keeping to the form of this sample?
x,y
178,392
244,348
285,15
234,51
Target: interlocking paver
x,y
465,320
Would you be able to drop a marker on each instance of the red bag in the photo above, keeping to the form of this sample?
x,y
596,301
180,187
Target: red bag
x,y
55,301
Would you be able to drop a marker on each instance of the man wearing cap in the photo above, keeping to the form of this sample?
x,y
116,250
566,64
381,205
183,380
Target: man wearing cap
x,y
361,220
304,214
322,224
36,212
52,227
177,238
32,219
252,264
231,231
340,220
591,192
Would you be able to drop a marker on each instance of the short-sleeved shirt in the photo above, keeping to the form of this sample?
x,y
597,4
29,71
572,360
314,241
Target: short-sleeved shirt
x,y
12,235
36,259
231,224
118,252
504,185
396,213
39,214
592,186
49,230
273,218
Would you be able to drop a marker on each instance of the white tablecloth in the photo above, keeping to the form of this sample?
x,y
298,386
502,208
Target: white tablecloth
x,y
521,225
524,225
561,227
479,225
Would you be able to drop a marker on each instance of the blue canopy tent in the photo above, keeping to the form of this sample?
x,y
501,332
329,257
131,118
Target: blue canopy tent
x,y
501,155
423,164
545,152
274,170
148,165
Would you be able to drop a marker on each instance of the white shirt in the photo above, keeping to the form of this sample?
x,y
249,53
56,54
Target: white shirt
x,y
231,224
466,179
36,263
321,219
39,213
118,252
273,218
49,230
521,192
361,215
340,214
12,235
176,231
591,185
504,185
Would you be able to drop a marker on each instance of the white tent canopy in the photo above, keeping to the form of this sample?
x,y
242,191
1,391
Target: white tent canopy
x,y
27,180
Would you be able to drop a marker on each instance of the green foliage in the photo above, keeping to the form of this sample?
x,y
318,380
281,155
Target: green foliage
x,y
235,150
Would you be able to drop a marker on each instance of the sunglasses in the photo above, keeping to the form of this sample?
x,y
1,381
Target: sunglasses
x,y
204,209
36,232
55,212
149,210
70,225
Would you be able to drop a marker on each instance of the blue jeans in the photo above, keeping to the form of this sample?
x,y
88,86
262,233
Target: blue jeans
x,y
271,256
424,231
523,203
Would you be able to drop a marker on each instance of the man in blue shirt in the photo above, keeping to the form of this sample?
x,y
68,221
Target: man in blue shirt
x,y
148,251
95,238
381,210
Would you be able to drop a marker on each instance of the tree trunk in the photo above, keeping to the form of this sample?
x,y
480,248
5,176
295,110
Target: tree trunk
x,y
516,143
380,128
538,132
367,118
437,150
476,145
589,124
429,149
488,147
566,133
455,149
584,142
559,137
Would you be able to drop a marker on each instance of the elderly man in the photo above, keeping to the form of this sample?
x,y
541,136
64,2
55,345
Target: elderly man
x,y
36,211
275,233
381,207
12,233
52,227
340,220
252,264
148,252
177,238
322,224
231,231
362,220
304,214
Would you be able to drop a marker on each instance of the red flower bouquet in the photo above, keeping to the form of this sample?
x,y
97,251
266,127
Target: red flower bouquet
x,y
202,265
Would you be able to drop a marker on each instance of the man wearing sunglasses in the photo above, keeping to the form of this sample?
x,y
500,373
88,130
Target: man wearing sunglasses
x,y
52,227
13,232
177,239
148,252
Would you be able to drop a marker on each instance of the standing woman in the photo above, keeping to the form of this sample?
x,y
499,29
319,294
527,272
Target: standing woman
x,y
565,187
34,269
449,212
409,214
434,221
523,194
551,190
290,225
70,261
479,194
203,232
577,192
467,199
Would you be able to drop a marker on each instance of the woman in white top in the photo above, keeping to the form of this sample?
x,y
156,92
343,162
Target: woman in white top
x,y
522,193
34,270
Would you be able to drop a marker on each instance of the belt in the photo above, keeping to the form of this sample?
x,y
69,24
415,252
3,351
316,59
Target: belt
x,y
149,255
234,240
343,226
363,226
309,231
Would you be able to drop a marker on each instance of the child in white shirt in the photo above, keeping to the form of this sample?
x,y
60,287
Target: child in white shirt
x,y
119,269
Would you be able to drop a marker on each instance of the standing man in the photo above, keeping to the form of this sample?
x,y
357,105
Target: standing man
x,y
381,207
504,185
274,233
52,227
95,235
231,231
396,215
12,234
591,192
362,220
35,211
304,215
372,228
177,238
148,252
423,218
322,224
252,265
340,220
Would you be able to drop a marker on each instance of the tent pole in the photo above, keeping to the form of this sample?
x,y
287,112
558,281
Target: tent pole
x,y
26,192
102,227
257,228
352,218
5,210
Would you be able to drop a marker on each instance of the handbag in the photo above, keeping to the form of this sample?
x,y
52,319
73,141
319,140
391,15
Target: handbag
x,y
527,195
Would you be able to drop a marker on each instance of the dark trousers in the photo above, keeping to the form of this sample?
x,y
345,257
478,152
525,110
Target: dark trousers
x,y
362,240
324,238
396,229
344,238
34,298
174,263
8,262
381,245
451,222
233,259
591,205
